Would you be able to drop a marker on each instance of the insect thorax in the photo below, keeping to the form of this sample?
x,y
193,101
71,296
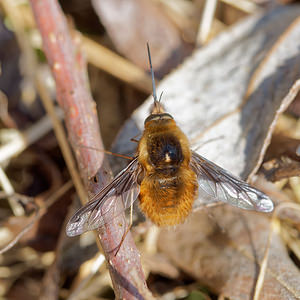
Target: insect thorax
x,y
163,147
164,151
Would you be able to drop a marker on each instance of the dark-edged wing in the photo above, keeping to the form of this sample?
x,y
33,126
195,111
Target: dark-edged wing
x,y
112,200
216,184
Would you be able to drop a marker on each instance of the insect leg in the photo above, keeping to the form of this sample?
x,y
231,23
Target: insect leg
x,y
134,140
127,230
106,151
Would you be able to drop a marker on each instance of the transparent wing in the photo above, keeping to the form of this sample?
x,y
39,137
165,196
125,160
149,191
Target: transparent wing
x,y
216,184
106,204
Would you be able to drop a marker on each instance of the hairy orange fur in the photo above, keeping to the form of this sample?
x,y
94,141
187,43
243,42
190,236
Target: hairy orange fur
x,y
169,206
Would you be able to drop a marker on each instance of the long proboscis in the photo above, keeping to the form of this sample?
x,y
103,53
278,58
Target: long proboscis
x,y
152,74
157,106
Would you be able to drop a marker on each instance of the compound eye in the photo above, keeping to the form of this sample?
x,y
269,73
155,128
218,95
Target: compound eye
x,y
155,117
151,118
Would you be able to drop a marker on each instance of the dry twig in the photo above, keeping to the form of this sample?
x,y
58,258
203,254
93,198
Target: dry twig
x,y
68,68
40,211
206,21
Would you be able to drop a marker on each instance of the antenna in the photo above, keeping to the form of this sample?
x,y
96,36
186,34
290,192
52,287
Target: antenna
x,y
152,74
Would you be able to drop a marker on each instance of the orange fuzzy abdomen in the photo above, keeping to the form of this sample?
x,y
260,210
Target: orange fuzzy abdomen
x,y
168,201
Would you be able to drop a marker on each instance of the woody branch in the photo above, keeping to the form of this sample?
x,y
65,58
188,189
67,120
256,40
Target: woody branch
x,y
69,71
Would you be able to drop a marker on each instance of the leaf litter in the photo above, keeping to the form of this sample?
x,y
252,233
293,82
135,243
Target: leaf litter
x,y
258,58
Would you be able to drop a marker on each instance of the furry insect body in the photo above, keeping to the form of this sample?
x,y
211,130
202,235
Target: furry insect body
x,y
169,186
167,177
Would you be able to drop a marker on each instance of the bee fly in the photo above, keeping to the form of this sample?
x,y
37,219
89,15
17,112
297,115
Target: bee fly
x,y
168,178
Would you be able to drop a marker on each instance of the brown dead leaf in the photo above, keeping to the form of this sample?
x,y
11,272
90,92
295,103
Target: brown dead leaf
x,y
160,264
283,146
132,23
280,168
281,159
276,84
228,261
